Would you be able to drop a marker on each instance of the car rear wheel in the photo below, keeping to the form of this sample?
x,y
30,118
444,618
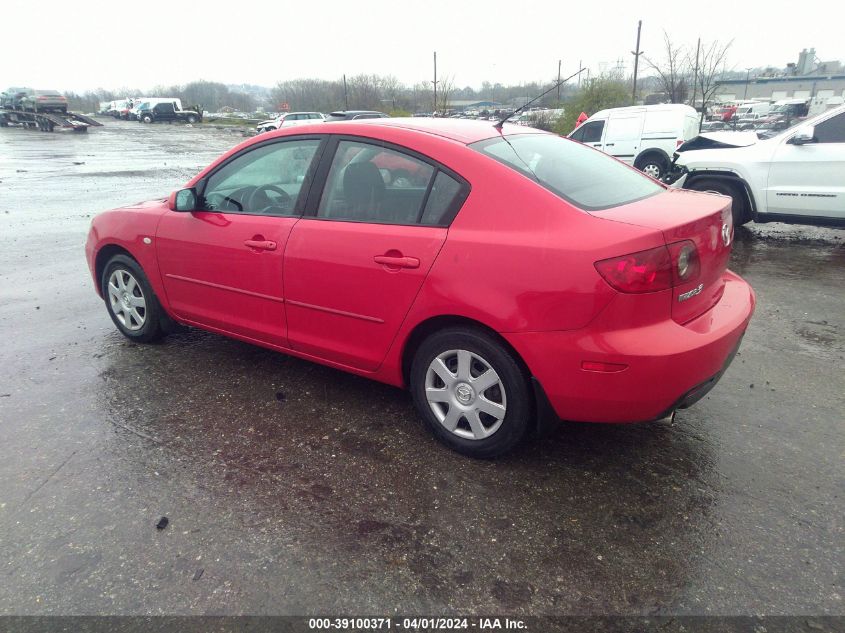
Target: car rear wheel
x,y
130,300
739,203
147,118
472,392
192,119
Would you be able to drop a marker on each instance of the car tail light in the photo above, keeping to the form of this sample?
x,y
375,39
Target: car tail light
x,y
656,269
645,271
687,265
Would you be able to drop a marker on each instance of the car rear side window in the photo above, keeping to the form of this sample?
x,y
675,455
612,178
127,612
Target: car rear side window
x,y
444,200
583,176
368,183
372,183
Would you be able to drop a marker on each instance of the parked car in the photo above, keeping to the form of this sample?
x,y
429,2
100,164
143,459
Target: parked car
x,y
288,119
145,103
12,98
642,136
529,276
796,176
712,126
166,111
44,101
350,115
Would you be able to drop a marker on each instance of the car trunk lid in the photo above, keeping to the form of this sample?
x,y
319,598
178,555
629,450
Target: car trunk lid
x,y
703,219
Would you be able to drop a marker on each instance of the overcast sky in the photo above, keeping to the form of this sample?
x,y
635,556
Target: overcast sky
x,y
143,44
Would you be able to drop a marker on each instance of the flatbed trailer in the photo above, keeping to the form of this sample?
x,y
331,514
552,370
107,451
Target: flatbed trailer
x,y
47,121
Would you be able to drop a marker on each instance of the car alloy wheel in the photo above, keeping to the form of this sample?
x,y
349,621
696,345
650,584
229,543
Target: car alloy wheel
x,y
127,300
465,394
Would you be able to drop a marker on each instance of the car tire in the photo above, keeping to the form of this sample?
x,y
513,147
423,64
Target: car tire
x,y
146,119
735,191
130,300
479,419
192,119
653,165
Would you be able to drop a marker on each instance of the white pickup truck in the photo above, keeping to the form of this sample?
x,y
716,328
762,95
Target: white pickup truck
x,y
797,176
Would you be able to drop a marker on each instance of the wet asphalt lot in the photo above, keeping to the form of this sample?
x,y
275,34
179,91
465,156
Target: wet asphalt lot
x,y
292,488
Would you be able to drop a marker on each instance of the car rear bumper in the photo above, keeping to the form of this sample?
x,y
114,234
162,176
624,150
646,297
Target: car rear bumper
x,y
653,369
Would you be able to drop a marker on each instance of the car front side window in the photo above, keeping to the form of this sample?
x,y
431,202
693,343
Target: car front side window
x,y
266,180
832,130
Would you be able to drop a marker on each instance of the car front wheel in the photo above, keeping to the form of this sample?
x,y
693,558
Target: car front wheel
x,y
472,392
739,203
130,300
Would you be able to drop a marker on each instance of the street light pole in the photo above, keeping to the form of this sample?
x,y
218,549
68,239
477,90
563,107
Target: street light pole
x,y
747,75
636,55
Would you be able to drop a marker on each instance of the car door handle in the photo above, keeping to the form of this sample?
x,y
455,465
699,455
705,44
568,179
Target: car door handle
x,y
260,245
397,261
609,144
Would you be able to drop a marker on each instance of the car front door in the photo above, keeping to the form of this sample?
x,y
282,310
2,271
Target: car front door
x,y
222,265
808,179
353,269
590,133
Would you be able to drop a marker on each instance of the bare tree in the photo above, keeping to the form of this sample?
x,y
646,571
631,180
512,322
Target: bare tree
x,y
712,65
673,70
444,92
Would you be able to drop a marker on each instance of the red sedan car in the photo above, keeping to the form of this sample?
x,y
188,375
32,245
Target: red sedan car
x,y
518,277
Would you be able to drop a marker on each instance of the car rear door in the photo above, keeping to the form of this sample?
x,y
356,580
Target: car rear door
x,y
353,268
808,179
222,265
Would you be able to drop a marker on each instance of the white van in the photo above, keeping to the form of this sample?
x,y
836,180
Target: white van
x,y
642,136
748,109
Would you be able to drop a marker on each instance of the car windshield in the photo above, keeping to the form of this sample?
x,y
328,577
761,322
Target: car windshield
x,y
581,175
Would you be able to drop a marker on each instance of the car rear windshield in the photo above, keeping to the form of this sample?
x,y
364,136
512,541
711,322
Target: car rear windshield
x,y
581,175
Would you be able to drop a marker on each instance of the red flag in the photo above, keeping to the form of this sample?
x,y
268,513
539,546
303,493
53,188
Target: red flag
x,y
581,118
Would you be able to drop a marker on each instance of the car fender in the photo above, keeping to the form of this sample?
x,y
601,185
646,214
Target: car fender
x,y
132,229
750,165
725,175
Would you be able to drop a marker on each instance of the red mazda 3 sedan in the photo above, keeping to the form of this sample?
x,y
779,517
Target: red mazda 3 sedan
x,y
514,277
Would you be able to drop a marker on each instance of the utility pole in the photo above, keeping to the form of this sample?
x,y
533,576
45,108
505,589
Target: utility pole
x,y
345,93
558,80
695,73
636,55
435,84
747,75
580,68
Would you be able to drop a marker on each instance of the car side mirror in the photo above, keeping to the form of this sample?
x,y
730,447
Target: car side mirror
x,y
183,200
804,135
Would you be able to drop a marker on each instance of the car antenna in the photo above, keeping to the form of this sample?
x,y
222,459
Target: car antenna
x,y
501,122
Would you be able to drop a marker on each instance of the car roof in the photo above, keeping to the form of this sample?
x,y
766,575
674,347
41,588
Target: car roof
x,y
462,130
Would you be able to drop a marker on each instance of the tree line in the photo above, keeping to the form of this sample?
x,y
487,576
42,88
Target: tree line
x,y
682,73
212,96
